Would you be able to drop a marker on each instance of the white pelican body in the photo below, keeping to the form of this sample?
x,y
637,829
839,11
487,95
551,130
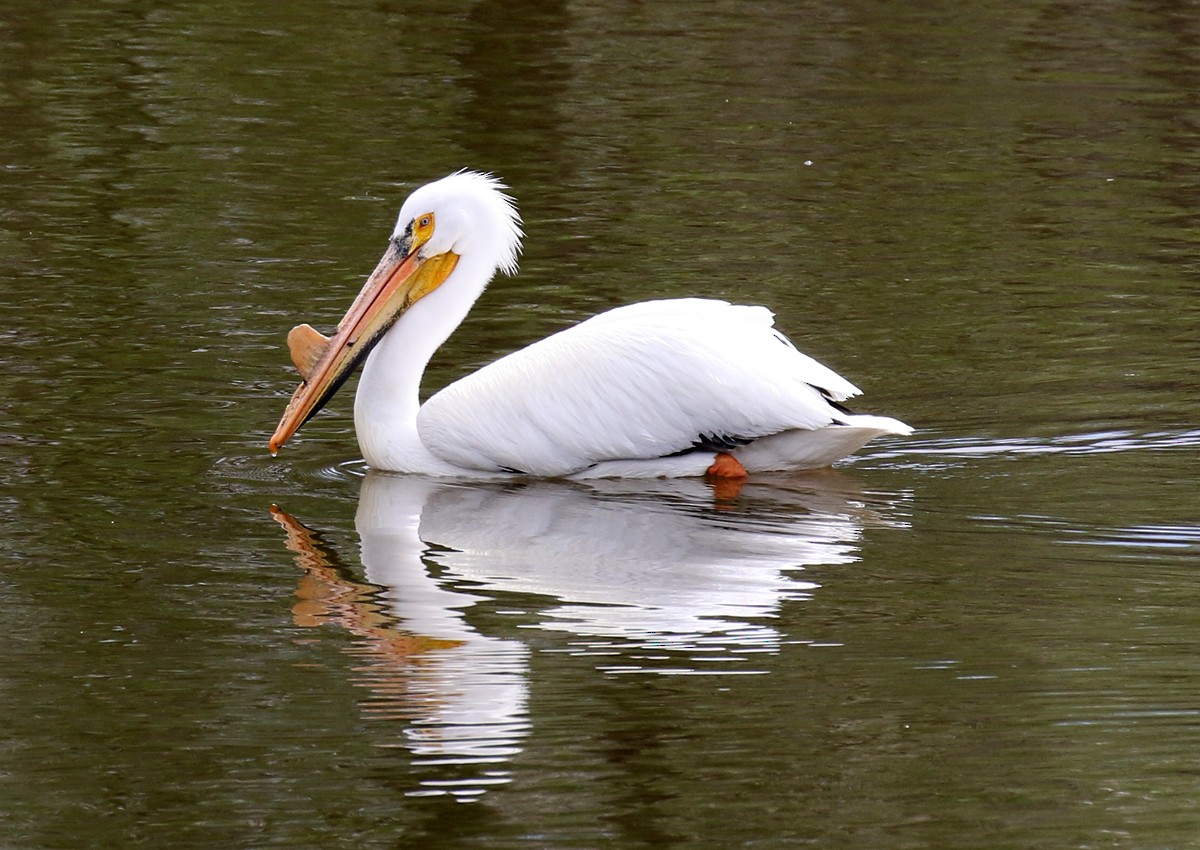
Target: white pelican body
x,y
660,388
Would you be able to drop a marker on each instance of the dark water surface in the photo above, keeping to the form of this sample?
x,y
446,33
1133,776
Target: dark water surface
x,y
983,636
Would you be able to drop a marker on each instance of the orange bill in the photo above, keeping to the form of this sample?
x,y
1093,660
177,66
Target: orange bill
x,y
401,278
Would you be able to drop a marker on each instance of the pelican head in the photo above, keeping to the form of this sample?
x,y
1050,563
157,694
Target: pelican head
x,y
454,233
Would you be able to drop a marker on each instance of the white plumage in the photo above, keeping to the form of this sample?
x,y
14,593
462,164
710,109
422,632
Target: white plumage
x,y
638,382
650,389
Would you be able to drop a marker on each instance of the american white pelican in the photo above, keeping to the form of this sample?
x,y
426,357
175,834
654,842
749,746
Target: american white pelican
x,y
668,388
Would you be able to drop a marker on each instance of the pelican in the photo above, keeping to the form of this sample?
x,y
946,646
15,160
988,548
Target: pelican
x,y
669,388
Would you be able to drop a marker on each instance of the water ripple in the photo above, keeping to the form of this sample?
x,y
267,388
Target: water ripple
x,y
1163,537
1093,443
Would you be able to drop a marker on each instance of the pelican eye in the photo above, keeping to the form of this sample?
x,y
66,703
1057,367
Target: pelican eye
x,y
423,226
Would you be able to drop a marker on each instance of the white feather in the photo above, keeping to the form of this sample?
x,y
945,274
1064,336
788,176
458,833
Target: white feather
x,y
625,393
636,383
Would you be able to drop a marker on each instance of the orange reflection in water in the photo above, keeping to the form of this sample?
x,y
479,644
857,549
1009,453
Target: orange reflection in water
x,y
328,595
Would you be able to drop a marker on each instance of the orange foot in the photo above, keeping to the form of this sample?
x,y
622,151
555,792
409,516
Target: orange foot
x,y
726,475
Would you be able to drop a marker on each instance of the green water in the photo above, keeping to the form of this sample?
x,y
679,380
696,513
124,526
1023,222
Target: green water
x,y
983,636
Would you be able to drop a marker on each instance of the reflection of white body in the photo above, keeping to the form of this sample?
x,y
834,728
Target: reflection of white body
x,y
662,388
630,568
470,696
655,567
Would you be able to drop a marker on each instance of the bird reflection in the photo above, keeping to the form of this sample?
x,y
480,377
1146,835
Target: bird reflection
x,y
649,577
461,694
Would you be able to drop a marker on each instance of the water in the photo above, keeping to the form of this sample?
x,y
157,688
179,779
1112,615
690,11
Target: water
x,y
980,636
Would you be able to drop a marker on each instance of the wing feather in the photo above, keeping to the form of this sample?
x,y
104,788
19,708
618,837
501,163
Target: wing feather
x,y
643,381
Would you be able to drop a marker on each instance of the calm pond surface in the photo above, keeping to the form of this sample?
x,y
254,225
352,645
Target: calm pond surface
x,y
983,636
